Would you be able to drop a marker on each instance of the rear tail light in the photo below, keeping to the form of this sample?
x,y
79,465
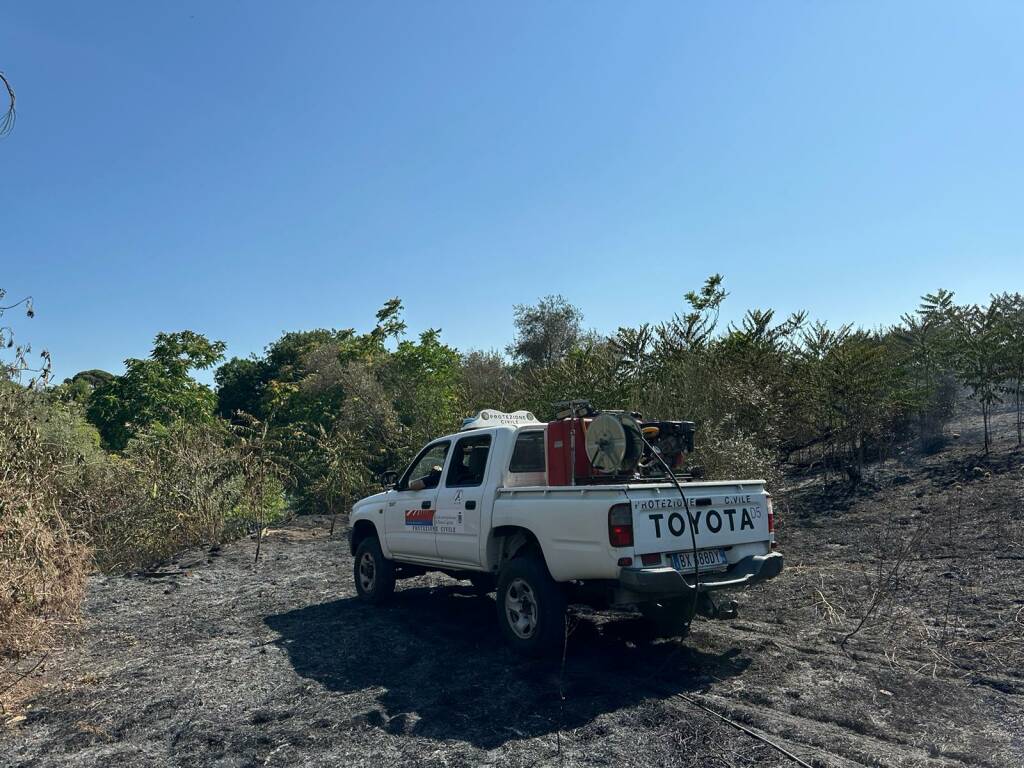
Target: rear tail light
x,y
652,559
771,520
620,525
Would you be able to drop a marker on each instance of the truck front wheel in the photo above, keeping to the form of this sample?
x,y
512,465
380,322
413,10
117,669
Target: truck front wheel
x,y
374,573
531,607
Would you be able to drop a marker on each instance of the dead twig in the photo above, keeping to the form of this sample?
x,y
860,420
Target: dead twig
x,y
885,583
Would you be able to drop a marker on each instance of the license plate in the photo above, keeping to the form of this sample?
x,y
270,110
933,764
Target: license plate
x,y
707,559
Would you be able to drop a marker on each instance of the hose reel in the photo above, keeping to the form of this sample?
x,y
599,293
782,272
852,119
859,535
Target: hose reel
x,y
614,443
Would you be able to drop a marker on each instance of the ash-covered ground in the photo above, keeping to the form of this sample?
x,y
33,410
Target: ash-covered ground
x,y
220,663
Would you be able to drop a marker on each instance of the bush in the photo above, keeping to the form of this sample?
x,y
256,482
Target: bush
x,y
43,558
171,489
735,456
67,506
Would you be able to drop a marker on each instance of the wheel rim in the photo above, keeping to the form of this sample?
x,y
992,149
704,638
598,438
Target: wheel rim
x,y
367,572
521,609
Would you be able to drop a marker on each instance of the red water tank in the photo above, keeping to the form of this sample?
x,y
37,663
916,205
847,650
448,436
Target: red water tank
x,y
558,448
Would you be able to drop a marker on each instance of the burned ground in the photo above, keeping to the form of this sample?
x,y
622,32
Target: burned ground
x,y
218,663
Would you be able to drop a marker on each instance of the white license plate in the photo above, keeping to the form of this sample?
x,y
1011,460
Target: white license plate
x,y
707,559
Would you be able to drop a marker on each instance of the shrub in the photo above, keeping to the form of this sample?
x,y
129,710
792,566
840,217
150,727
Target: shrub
x,y
171,489
735,456
43,559
67,506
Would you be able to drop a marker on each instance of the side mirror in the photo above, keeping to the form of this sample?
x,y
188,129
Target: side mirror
x,y
389,479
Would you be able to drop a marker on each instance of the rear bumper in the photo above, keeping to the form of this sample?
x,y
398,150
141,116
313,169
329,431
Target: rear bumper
x,y
668,581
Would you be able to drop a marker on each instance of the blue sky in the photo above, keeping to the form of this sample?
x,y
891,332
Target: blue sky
x,y
242,169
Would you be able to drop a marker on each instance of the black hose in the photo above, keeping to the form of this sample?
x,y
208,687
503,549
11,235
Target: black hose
x,y
689,515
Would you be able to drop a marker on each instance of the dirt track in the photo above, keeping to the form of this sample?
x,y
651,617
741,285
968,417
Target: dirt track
x,y
218,664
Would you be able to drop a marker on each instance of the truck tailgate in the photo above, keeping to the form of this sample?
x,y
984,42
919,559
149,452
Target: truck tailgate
x,y
660,522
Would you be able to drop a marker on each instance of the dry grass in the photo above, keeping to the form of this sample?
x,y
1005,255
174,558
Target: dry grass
x,y
43,560
166,493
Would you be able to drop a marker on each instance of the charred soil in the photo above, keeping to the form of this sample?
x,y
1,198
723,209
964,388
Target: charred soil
x,y
894,637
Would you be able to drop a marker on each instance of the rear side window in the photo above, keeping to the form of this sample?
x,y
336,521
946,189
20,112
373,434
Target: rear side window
x,y
528,455
469,462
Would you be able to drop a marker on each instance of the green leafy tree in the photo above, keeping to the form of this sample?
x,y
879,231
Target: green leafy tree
x,y
589,371
425,378
1011,309
981,357
546,332
241,385
928,336
156,390
309,389
92,378
488,381
79,388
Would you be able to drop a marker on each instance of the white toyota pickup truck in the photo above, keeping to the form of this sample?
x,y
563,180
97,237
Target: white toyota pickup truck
x,y
478,505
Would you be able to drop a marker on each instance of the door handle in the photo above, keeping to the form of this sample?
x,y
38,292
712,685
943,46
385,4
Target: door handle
x,y
470,504
425,505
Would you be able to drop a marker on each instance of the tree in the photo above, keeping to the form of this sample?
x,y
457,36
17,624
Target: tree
x,y
980,357
693,330
317,393
156,390
928,336
241,383
487,381
753,364
79,388
1011,308
547,332
93,378
425,380
297,375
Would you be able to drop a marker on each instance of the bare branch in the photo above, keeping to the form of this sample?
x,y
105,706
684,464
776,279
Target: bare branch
x,y
9,118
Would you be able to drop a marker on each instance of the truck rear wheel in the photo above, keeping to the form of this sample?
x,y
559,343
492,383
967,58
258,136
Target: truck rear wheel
x,y
374,574
531,607
668,618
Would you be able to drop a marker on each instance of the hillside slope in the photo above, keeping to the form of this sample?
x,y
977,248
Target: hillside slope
x,y
216,663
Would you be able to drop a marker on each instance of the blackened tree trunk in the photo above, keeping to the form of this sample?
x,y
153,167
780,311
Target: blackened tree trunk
x,y
1020,414
985,407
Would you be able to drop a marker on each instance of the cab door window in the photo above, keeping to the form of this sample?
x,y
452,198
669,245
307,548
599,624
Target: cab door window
x,y
425,472
469,462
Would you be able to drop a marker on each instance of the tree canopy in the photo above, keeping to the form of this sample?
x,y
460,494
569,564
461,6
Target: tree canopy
x,y
158,390
338,406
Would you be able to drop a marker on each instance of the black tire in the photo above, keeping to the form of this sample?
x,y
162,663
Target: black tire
x,y
531,607
668,618
373,573
483,583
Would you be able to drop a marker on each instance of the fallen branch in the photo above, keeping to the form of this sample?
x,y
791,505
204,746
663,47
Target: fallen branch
x,y
739,726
